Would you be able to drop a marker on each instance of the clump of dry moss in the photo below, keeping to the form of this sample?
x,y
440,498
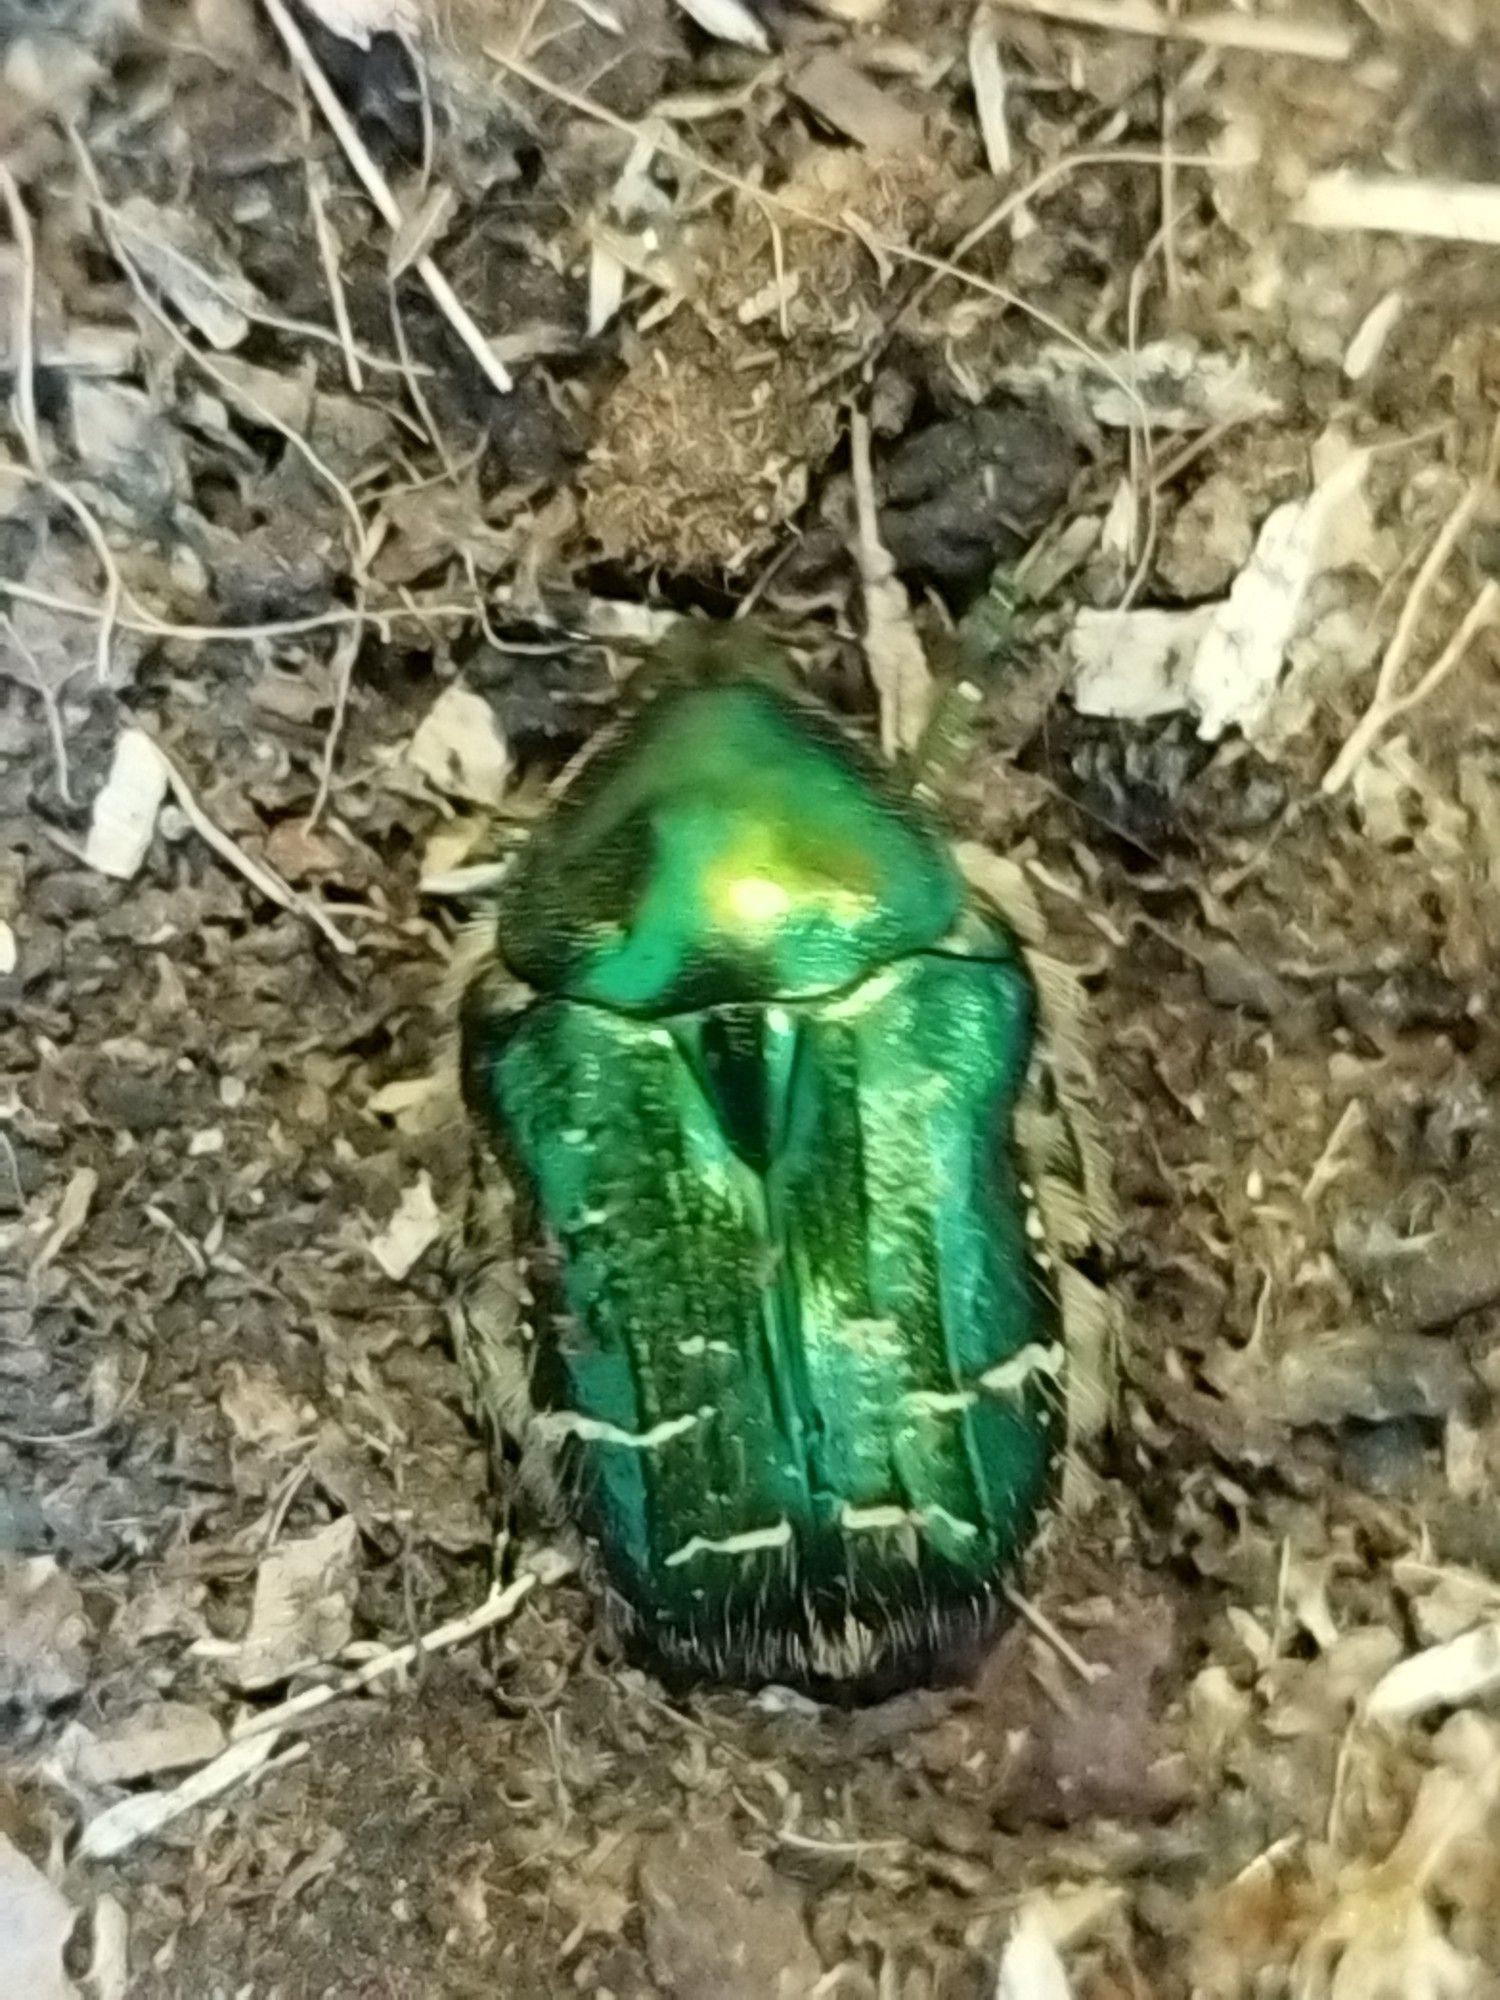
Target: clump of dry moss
x,y
704,447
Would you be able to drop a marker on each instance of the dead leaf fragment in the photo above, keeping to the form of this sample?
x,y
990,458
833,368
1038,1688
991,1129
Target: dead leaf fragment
x,y
72,1213
124,816
286,394
43,1633
162,1736
119,436
61,341
36,1921
260,1410
1031,1968
728,21
459,748
720,1925
1461,1670
181,259
1371,335
411,1231
845,98
299,854
1209,541
302,1613
1177,384
1383,1936
1238,664
415,1103
1112,1753
1133,664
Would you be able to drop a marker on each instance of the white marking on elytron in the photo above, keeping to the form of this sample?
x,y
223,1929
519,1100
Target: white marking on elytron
x,y
591,1218
575,1136
1040,1358
857,1519
942,1402
778,1020
732,1545
1036,1229
594,1430
953,1521
695,1344
868,994
885,1330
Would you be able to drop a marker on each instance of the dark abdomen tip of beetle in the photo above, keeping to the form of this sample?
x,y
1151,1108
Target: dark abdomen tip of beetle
x,y
935,1639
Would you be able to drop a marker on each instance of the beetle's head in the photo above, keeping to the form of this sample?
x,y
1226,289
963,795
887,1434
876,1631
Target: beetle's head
x,y
697,653
730,844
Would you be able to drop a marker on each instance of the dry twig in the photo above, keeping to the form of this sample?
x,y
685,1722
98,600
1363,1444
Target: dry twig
x,y
600,619
1483,613
898,666
258,873
141,1814
1168,91
378,189
1222,29
1401,205
328,255
37,681
413,385
115,593
235,391
1388,701
987,80
24,348
23,331
497,1606
151,627
1088,1671
345,656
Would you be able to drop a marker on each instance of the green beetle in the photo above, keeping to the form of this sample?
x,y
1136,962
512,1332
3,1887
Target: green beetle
x,y
789,1118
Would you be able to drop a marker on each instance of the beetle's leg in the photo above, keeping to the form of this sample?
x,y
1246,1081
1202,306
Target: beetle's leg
x,y
990,630
987,642
946,742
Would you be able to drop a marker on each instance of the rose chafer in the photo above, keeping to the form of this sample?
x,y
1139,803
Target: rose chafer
x,y
786,1112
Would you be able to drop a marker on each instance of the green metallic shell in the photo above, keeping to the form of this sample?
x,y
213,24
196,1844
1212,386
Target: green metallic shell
x,y
798,1329
641,892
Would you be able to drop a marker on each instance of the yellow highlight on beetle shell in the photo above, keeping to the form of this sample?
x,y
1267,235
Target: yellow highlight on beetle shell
x,y
753,892
751,902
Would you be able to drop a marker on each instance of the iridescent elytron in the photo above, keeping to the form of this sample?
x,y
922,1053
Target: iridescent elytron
x,y
803,1193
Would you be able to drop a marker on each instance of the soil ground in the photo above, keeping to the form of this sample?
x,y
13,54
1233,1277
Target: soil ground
x,y
260,505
